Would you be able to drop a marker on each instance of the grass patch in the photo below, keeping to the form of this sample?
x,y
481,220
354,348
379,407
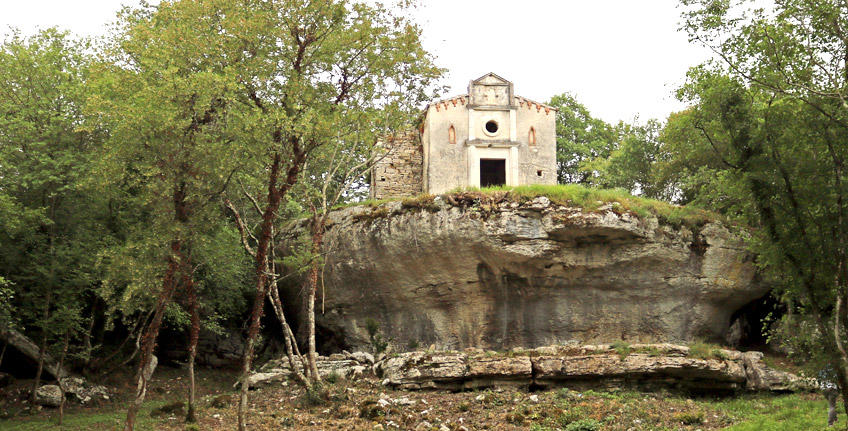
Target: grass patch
x,y
622,202
706,351
107,418
773,413
571,195
622,348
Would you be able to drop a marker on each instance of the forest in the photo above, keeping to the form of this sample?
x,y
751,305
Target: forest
x,y
145,177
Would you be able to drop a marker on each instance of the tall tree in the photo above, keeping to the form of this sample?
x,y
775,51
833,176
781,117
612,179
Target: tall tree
x,y
581,138
796,50
319,71
164,91
778,166
50,220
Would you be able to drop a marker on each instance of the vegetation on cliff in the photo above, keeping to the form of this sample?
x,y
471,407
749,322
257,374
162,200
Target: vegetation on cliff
x,y
587,198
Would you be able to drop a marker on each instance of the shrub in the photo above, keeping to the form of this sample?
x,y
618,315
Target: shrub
x,y
690,418
584,425
622,348
378,343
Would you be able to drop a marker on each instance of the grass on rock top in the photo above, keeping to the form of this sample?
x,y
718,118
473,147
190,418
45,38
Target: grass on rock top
x,y
572,195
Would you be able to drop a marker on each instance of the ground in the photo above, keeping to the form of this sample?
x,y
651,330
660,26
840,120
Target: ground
x,y
357,405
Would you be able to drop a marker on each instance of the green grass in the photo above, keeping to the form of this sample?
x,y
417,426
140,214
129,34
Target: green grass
x,y
773,413
591,199
95,419
702,350
573,195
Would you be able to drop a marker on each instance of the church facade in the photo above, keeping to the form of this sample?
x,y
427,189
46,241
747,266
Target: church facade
x,y
484,138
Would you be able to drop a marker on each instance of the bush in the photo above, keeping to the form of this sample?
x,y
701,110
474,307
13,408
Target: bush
x,y
690,418
378,343
584,425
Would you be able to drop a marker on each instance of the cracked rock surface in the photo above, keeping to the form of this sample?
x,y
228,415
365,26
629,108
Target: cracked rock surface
x,y
508,274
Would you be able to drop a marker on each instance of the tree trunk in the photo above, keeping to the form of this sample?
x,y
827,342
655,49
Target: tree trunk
x,y
274,198
42,349
288,335
149,339
193,337
312,288
59,380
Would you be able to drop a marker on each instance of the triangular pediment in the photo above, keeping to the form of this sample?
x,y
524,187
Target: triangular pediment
x,y
491,79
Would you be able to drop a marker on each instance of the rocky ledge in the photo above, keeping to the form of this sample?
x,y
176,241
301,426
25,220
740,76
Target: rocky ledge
x,y
639,366
461,271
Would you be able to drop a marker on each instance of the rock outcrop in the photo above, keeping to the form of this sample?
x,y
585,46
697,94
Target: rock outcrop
x,y
499,274
639,366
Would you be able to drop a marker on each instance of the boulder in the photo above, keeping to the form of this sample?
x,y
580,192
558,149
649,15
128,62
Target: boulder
x,y
49,396
340,365
497,275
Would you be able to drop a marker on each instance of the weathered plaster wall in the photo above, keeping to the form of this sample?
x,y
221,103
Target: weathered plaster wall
x,y
542,156
445,162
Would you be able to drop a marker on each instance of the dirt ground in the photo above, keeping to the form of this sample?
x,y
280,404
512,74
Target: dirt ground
x,y
367,405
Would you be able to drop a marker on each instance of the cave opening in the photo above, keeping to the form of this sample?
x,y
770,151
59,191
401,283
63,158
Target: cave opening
x,y
749,324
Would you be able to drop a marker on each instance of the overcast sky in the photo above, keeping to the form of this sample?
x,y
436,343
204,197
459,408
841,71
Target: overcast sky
x,y
621,58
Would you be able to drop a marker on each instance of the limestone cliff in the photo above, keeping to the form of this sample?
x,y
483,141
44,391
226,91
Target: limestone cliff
x,y
500,273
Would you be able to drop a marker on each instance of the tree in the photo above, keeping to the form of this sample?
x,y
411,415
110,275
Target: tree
x,y
164,92
319,71
49,218
580,139
795,53
780,172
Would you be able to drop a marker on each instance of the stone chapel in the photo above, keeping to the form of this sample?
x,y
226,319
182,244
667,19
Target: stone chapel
x,y
484,138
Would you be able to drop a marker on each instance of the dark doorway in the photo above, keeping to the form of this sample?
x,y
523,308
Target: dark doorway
x,y
492,172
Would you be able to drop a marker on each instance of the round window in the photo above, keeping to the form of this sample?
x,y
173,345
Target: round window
x,y
492,127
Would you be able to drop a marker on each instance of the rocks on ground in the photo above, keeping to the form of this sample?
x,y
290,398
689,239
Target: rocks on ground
x,y
76,390
643,366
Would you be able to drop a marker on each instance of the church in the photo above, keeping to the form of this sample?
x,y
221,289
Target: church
x,y
487,137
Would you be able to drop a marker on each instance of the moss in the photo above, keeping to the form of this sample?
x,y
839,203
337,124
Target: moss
x,y
423,202
374,214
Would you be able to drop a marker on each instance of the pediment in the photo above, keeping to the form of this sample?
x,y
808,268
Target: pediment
x,y
491,79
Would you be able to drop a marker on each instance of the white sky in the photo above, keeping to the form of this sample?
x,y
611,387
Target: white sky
x,y
621,58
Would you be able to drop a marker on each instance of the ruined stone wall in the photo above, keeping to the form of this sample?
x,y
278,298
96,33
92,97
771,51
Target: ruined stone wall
x,y
400,172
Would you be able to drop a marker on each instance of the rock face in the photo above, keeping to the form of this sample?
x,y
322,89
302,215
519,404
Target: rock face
x,y
597,366
497,275
638,366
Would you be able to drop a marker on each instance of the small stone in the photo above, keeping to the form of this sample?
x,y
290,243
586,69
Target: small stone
x,y
534,398
444,428
480,398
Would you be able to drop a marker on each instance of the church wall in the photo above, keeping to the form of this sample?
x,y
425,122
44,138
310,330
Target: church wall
x,y
446,163
541,157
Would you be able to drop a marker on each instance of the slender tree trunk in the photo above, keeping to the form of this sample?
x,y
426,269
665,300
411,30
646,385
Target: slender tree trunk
x,y
288,336
42,348
274,198
3,352
312,288
150,334
59,379
193,337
